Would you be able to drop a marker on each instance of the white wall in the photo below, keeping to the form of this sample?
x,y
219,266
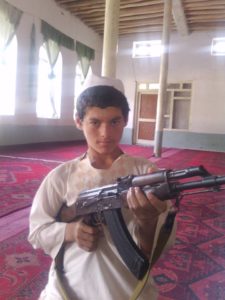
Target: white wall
x,y
60,19
189,60
25,127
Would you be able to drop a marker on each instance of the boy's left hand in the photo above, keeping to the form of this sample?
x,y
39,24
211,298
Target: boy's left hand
x,y
145,207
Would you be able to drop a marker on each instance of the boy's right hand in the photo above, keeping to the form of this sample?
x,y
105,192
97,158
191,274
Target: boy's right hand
x,y
84,235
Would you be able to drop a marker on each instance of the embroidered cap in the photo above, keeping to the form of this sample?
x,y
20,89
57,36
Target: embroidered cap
x,y
102,92
94,80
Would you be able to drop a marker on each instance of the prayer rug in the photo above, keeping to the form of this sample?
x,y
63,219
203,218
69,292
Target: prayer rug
x,y
194,269
213,161
19,180
46,151
64,151
23,270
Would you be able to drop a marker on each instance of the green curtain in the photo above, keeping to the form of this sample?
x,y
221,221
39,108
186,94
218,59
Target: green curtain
x,y
9,20
85,55
50,33
53,50
53,40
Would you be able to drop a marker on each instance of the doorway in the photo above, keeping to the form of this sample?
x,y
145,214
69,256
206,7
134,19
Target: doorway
x,y
176,108
146,118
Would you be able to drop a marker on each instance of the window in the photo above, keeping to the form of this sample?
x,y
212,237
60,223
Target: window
x,y
178,103
8,62
49,86
147,49
218,46
79,79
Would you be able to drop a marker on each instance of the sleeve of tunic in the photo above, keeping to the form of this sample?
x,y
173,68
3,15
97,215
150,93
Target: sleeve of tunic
x,y
44,231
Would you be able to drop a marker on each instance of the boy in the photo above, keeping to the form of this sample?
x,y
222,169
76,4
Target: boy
x,y
93,269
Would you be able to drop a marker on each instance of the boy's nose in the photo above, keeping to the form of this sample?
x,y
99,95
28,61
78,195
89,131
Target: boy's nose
x,y
104,130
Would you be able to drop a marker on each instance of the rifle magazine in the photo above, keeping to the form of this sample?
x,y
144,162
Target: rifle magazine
x,y
132,256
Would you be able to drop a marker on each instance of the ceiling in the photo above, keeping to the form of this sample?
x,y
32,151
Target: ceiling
x,y
143,16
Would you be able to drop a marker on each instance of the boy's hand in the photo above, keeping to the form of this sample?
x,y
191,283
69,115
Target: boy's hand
x,y
84,235
146,208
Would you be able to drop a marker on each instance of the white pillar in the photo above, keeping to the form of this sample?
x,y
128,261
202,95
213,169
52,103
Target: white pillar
x,y
163,78
110,40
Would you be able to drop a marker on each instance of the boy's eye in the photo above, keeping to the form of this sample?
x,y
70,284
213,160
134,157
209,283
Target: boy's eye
x,y
94,122
115,122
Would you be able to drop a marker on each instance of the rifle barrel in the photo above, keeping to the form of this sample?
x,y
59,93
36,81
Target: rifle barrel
x,y
212,181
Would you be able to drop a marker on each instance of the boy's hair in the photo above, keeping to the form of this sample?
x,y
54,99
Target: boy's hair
x,y
101,96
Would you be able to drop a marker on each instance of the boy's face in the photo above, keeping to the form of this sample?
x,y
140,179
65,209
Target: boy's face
x,y
102,128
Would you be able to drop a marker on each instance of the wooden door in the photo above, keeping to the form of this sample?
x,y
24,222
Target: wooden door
x,y
146,118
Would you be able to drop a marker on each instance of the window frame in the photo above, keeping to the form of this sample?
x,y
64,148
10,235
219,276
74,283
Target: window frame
x,y
218,50
9,79
153,48
49,87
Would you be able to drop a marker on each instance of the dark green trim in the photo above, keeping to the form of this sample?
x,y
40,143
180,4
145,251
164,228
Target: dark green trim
x,y
194,140
186,140
85,51
60,38
22,134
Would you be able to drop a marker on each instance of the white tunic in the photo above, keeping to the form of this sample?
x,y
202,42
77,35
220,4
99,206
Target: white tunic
x,y
100,274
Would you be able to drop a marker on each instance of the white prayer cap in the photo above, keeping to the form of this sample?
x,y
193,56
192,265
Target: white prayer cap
x,y
94,80
98,88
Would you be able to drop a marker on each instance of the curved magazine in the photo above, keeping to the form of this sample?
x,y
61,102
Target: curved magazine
x,y
132,256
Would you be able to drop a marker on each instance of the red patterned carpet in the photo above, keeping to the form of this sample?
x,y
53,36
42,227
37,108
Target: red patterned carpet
x,y
194,269
23,270
19,180
63,151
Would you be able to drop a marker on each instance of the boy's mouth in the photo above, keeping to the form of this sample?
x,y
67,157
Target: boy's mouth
x,y
105,142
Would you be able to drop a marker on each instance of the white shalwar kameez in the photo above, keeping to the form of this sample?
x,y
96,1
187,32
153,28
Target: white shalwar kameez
x,y
97,275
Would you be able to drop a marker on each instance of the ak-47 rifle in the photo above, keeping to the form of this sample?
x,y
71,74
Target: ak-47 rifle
x,y
105,203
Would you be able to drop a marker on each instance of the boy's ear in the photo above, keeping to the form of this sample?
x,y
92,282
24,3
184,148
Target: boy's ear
x,y
78,122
